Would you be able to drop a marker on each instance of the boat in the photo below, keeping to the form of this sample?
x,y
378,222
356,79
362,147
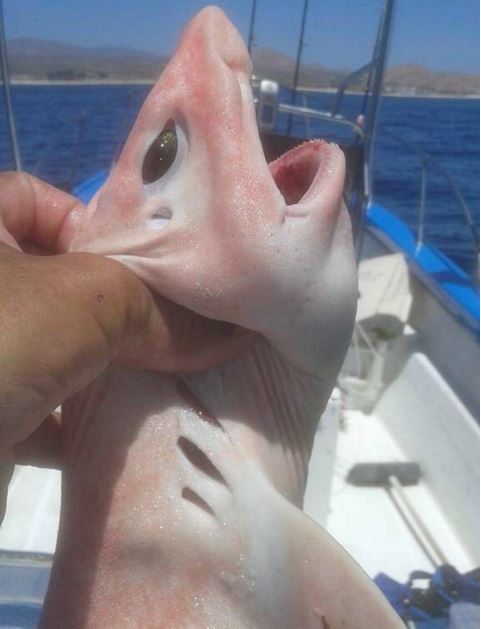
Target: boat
x,y
394,474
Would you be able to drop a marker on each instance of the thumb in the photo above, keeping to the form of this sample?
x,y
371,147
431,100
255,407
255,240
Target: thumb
x,y
63,319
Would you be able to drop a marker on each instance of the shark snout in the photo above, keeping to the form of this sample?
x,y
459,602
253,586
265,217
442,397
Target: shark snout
x,y
211,35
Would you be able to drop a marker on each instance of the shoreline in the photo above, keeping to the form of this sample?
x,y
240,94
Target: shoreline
x,y
333,90
45,82
314,90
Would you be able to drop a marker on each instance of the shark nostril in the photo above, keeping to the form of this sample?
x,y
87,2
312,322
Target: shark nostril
x,y
161,217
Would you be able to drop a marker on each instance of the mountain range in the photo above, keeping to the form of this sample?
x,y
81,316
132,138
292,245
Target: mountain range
x,y
32,59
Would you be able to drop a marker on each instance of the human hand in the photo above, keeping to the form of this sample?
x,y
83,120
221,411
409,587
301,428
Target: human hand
x,y
65,317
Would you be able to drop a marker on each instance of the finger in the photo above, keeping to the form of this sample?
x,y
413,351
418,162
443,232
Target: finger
x,y
33,211
62,320
43,448
178,340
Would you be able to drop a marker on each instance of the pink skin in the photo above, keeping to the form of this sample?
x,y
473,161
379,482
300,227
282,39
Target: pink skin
x,y
182,493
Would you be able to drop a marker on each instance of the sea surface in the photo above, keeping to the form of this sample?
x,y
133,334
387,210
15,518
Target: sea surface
x,y
67,133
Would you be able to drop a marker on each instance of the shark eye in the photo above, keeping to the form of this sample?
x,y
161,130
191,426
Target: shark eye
x,y
161,154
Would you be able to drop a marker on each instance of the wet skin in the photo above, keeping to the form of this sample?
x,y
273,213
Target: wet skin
x,y
182,493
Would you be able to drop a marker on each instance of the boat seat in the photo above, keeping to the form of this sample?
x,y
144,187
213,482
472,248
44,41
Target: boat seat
x,y
384,296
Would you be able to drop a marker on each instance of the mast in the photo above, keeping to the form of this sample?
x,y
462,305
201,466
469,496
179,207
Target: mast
x,y
375,80
298,63
6,94
377,74
251,27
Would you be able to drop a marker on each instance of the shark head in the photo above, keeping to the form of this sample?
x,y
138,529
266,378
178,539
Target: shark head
x,y
193,208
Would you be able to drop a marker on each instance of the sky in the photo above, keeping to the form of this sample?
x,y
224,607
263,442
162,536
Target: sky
x,y
442,35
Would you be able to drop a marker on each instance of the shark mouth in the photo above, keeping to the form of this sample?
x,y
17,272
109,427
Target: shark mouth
x,y
298,171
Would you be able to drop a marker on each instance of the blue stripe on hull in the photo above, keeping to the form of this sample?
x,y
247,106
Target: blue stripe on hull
x,y
443,271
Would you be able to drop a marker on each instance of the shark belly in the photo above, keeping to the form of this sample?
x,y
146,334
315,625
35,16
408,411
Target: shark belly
x,y
155,528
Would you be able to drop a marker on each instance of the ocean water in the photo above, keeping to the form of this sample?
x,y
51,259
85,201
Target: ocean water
x,y
67,133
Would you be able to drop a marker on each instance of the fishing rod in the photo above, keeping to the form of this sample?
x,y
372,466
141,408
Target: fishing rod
x,y
6,94
250,41
298,63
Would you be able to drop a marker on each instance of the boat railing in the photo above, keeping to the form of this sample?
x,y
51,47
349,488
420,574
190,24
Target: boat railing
x,y
327,116
334,115
344,84
302,111
427,161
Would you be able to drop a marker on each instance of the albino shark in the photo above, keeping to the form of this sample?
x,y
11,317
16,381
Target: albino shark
x,y
182,494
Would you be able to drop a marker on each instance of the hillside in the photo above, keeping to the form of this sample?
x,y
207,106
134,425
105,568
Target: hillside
x,y
420,80
33,59
40,60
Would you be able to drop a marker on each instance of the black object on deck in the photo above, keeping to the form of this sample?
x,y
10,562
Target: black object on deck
x,y
377,474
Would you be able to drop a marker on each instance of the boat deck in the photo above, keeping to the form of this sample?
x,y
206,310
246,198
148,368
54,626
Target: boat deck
x,y
366,520
33,510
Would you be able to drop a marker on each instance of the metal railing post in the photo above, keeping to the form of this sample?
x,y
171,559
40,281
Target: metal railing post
x,y
376,79
426,160
422,205
306,118
6,95
298,64
250,41
81,124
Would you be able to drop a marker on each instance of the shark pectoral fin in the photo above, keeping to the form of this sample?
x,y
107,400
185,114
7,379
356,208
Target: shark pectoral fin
x,y
336,593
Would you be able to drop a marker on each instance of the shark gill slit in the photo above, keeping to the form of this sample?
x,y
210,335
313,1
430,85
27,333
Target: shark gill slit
x,y
199,459
191,496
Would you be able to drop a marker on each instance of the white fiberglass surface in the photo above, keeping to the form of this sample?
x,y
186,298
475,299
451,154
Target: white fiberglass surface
x,y
365,521
33,507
